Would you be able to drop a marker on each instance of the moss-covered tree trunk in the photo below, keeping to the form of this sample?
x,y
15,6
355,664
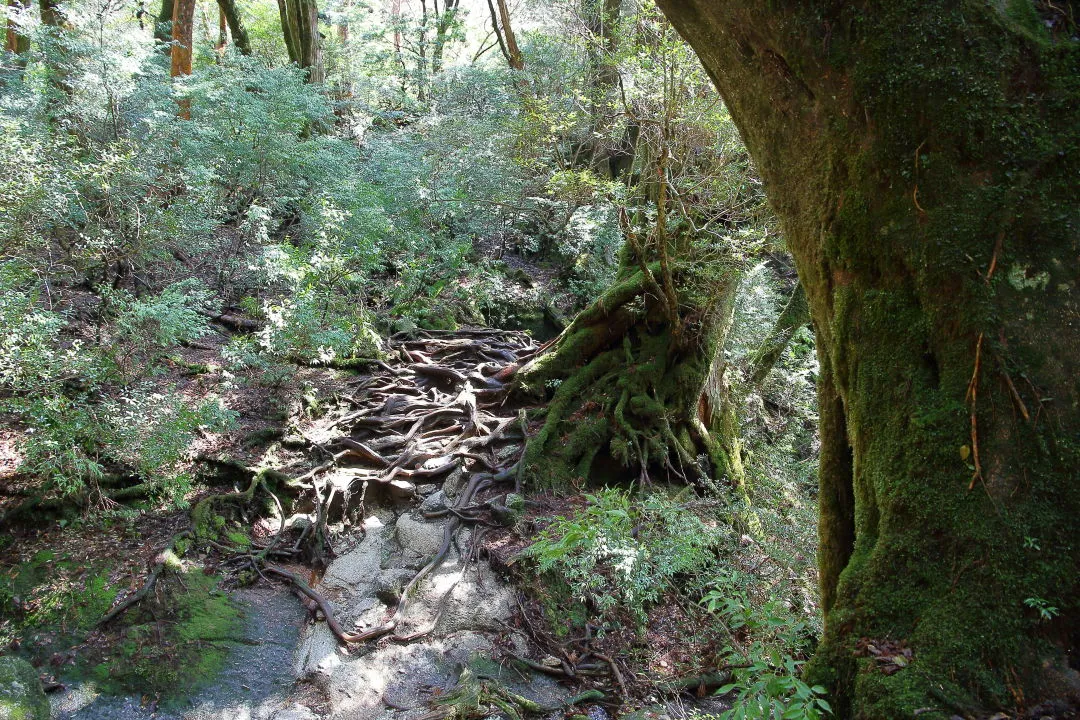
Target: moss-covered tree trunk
x,y
923,158
636,382
235,21
163,27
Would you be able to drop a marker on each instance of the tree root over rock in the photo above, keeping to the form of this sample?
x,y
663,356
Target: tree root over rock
x,y
437,411
633,386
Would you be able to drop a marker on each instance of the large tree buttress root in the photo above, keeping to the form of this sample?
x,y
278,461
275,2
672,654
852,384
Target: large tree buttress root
x,y
634,393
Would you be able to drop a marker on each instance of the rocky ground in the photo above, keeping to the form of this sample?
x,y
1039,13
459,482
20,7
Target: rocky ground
x,y
413,465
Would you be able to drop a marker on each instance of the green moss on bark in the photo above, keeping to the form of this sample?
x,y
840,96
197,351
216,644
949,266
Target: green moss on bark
x,y
630,394
923,159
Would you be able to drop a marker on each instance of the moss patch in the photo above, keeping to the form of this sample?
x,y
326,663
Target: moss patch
x,y
177,642
50,602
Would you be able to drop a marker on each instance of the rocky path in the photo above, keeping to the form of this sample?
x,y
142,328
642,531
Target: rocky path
x,y
433,449
411,478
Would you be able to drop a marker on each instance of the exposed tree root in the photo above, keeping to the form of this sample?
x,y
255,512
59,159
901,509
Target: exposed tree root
x,y
414,424
161,561
477,696
630,387
444,410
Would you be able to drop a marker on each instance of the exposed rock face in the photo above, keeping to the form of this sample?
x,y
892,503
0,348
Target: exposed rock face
x,y
21,695
461,606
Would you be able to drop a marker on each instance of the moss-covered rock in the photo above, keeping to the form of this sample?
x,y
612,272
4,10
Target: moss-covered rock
x,y
21,694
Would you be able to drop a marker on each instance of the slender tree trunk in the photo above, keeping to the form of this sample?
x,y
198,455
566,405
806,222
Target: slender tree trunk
x,y
182,25
163,26
922,159
444,27
421,54
235,21
395,19
345,88
504,34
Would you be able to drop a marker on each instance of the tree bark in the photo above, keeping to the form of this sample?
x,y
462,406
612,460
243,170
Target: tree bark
x,y
288,32
300,26
182,23
922,159
236,26
180,57
504,34
163,26
51,14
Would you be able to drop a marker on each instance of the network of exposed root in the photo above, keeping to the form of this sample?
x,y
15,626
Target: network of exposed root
x,y
436,404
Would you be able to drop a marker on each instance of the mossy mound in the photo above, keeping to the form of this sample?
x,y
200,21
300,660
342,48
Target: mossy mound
x,y
176,642
21,695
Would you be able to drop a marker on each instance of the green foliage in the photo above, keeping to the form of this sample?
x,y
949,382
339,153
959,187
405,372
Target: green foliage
x,y
621,554
56,388
765,640
1045,609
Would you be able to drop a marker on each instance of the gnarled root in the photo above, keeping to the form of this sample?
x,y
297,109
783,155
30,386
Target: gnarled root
x,y
629,388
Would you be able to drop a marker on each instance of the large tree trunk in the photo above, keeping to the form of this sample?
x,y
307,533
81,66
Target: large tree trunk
x,y
922,157
51,14
637,381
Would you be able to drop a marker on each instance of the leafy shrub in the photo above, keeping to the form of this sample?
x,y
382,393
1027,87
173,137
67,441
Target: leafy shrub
x,y
619,553
55,386
766,639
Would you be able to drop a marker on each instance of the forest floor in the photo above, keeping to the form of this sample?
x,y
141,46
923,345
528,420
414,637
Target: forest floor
x,y
278,658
